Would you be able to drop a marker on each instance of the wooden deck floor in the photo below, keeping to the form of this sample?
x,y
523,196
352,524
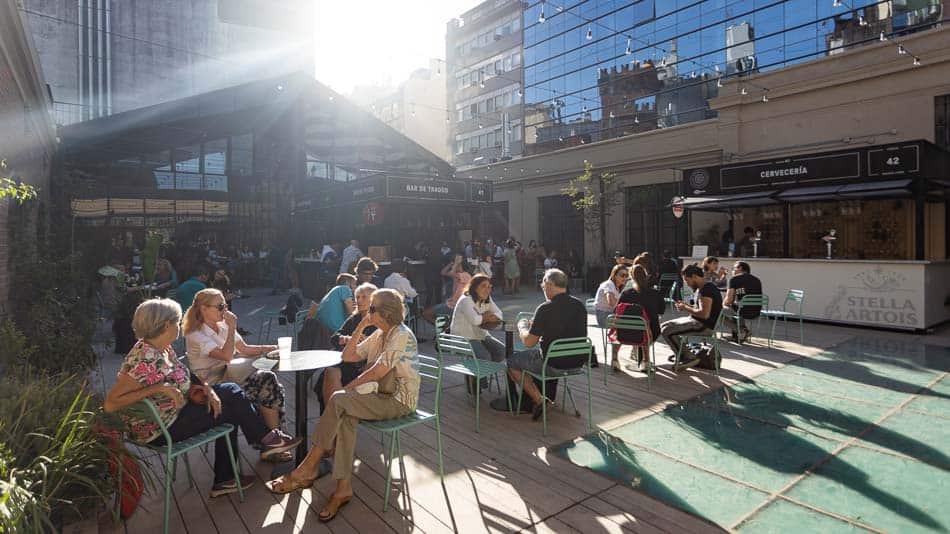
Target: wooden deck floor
x,y
499,480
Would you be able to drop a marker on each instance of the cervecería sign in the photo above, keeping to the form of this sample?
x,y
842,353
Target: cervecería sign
x,y
839,167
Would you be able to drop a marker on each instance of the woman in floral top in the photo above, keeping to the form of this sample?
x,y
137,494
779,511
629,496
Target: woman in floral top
x,y
395,354
152,371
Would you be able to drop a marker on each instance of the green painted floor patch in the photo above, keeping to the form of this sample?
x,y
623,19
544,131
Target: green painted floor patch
x,y
935,399
916,435
870,374
758,454
675,483
821,414
890,493
795,378
781,517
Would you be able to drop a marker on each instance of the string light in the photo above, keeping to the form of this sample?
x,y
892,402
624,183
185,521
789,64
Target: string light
x,y
743,91
612,115
590,32
765,99
636,119
718,82
628,51
883,37
541,16
861,21
836,3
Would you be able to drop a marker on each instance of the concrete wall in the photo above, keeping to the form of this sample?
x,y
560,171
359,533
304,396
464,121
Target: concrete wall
x,y
27,139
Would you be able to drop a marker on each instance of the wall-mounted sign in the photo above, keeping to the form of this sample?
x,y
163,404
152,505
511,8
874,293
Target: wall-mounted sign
x,y
856,165
480,191
415,188
791,171
895,160
373,213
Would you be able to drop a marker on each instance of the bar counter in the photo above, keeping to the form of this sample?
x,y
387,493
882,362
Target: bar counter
x,y
905,295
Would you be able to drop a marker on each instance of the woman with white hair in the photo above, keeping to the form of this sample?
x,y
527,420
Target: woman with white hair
x,y
186,405
395,356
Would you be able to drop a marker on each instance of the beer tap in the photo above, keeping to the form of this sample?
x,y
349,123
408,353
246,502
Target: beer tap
x,y
828,239
755,243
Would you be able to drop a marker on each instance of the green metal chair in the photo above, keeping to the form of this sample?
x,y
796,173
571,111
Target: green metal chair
x,y
442,323
633,323
299,319
795,296
712,338
429,369
171,451
470,365
762,301
668,279
267,320
561,348
591,310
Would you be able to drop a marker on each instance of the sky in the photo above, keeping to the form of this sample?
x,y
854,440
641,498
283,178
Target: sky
x,y
379,42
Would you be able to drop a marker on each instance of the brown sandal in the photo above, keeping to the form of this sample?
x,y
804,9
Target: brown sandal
x,y
288,484
332,508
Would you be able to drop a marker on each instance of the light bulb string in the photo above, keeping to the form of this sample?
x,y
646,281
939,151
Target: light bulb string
x,y
901,48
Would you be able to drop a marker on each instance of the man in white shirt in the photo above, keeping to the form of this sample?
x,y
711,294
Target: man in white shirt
x,y
400,282
351,255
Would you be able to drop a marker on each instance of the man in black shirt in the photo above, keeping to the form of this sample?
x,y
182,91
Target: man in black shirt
x,y
741,284
561,316
702,316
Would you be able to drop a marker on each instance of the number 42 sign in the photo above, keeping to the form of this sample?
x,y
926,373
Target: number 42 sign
x,y
893,160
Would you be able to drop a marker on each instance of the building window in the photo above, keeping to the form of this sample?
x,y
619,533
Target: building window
x,y
242,154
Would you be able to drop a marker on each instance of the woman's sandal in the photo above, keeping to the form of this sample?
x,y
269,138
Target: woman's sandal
x,y
332,508
279,458
288,484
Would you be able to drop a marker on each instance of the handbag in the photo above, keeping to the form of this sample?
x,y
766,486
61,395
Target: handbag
x,y
239,369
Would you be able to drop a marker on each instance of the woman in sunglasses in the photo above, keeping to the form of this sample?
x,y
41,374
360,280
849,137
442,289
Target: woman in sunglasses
x,y
394,357
212,343
607,297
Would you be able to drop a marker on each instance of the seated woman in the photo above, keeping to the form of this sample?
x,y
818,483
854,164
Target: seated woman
x,y
650,301
475,312
606,299
186,405
334,378
395,354
212,342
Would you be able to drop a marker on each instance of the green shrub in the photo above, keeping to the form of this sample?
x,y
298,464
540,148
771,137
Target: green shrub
x,y
55,466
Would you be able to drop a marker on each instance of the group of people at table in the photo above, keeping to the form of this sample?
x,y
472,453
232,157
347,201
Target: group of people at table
x,y
637,283
377,348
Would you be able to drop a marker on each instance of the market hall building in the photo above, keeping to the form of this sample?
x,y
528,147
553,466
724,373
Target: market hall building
x,y
877,99
284,162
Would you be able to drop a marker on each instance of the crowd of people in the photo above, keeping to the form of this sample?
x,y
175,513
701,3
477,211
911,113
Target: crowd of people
x,y
364,317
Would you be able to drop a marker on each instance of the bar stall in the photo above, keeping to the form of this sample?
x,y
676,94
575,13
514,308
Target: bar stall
x,y
397,216
862,231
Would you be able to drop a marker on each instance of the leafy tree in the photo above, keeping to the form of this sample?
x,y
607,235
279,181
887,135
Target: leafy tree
x,y
11,188
596,196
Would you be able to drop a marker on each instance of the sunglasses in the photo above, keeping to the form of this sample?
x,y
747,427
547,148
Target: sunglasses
x,y
220,307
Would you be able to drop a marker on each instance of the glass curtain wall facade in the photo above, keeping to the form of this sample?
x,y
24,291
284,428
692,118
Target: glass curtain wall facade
x,y
600,69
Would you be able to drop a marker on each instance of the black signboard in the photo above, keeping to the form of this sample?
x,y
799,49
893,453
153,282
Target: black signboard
x,y
893,160
790,171
831,168
480,192
369,189
415,188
